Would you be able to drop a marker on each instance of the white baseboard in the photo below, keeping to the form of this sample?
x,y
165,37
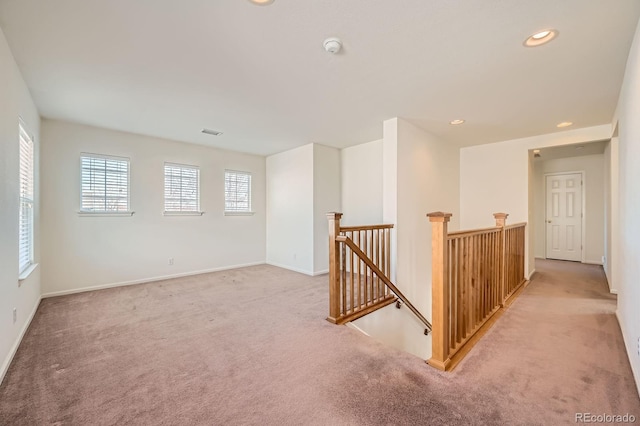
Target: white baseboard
x,y
350,324
592,262
16,345
315,274
147,280
291,268
613,291
531,274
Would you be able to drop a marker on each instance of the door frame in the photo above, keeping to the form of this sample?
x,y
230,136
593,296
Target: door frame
x,y
583,178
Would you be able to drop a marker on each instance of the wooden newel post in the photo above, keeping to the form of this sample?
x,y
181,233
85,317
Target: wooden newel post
x,y
501,219
334,267
501,222
440,291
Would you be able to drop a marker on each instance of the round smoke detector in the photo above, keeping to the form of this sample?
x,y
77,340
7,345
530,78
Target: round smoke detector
x,y
332,45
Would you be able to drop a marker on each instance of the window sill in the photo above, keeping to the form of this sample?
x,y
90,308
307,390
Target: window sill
x,y
239,213
183,213
104,214
25,274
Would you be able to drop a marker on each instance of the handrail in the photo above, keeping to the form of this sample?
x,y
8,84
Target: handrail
x,y
385,280
465,233
365,227
516,225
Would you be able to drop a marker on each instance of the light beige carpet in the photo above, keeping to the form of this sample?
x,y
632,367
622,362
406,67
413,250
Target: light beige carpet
x,y
251,347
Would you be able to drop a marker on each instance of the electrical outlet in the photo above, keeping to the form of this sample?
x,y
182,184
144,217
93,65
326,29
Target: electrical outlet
x,y
15,315
171,261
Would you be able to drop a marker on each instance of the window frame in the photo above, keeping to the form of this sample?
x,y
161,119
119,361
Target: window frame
x,y
26,198
198,210
249,211
98,213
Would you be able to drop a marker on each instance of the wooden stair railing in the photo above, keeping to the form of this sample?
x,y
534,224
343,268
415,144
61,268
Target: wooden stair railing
x,y
474,273
359,264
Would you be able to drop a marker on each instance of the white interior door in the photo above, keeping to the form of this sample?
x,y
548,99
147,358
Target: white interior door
x,y
564,216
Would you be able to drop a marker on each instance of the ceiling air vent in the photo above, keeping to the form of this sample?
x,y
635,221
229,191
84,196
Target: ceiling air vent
x,y
211,132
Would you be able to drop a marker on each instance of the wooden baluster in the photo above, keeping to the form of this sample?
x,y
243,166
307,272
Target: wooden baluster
x,y
496,271
440,291
481,256
373,299
334,278
351,271
486,277
501,221
472,277
361,299
453,265
378,263
343,279
388,257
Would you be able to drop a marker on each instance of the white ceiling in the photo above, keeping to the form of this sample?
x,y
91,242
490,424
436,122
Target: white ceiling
x,y
260,75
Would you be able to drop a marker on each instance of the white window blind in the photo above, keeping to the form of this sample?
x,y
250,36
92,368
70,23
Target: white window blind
x,y
25,245
181,188
237,192
105,184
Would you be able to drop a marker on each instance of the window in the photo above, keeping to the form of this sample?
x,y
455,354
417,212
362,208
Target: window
x,y
237,192
105,184
181,188
25,245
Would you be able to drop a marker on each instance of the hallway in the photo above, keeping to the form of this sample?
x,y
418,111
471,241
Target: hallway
x,y
558,350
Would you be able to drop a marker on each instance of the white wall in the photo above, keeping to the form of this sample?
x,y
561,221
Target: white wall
x,y
428,181
390,186
84,252
15,101
612,209
626,240
362,183
303,185
594,202
326,198
495,177
290,209
532,227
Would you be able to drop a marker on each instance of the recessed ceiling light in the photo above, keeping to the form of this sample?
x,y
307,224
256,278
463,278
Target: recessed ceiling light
x,y
211,132
456,122
564,124
540,38
262,2
541,34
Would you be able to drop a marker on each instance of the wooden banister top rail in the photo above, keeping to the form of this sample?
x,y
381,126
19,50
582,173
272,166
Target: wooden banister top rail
x,y
364,227
465,232
385,280
516,225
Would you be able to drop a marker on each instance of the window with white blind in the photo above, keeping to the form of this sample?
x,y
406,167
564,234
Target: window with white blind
x,y
181,189
105,184
237,192
25,245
